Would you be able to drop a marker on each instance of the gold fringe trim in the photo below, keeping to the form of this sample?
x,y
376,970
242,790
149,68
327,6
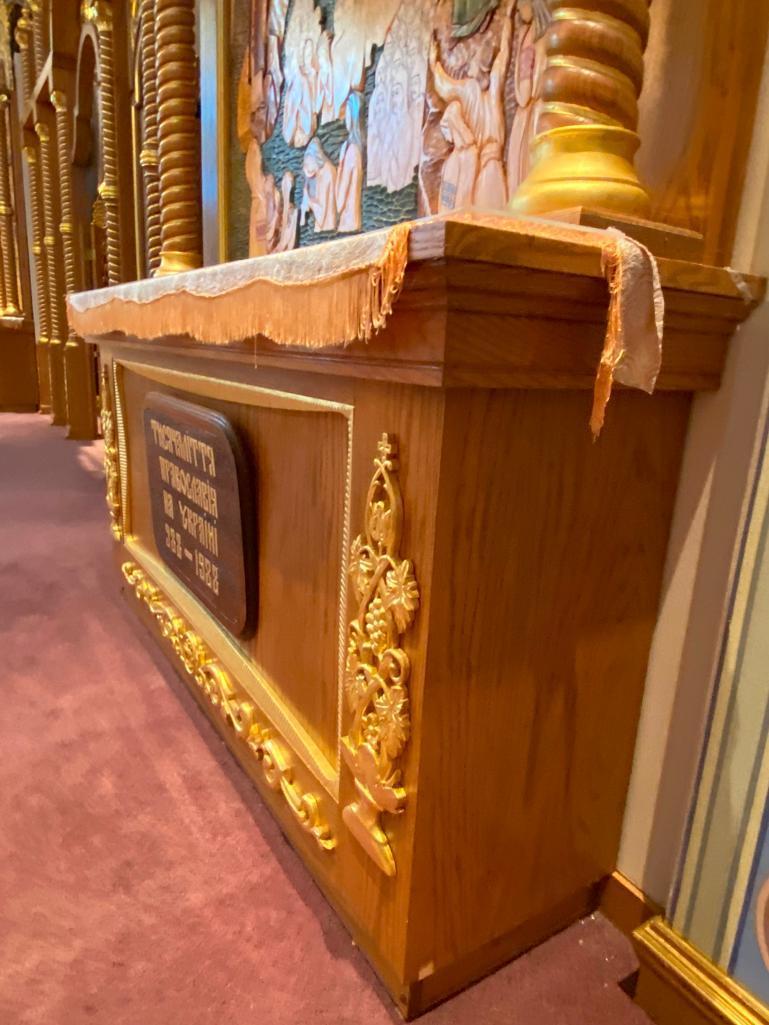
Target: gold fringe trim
x,y
343,307
613,350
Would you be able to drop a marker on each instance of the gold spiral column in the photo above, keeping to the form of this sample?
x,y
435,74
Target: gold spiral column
x,y
78,359
149,153
38,35
584,152
23,39
10,300
55,284
179,138
100,13
41,286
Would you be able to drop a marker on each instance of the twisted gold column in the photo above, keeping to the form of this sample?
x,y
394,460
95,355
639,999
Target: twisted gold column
x,y
55,289
179,139
11,303
41,287
23,36
38,35
72,275
78,361
583,154
100,13
149,153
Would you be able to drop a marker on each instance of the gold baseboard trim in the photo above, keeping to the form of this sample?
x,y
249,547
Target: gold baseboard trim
x,y
678,985
625,905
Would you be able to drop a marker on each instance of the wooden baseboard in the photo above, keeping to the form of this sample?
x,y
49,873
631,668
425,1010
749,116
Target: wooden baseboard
x,y
678,985
625,905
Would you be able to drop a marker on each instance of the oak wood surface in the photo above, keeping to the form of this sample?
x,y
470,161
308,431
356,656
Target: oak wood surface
x,y
539,557
18,367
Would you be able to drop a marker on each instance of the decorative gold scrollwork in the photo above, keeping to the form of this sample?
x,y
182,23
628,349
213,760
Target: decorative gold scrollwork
x,y
235,708
377,668
111,461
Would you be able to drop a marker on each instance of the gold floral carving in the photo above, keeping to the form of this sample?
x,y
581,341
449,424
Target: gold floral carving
x,y
377,667
111,459
235,708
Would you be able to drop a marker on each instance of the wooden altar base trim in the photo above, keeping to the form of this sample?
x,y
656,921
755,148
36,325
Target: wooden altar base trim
x,y
412,998
661,239
625,905
447,982
678,985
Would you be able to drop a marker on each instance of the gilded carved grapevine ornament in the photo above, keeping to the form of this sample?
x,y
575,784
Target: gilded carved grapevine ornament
x,y
235,708
377,668
111,461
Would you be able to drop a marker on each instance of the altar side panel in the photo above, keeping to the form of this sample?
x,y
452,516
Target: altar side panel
x,y
299,467
548,566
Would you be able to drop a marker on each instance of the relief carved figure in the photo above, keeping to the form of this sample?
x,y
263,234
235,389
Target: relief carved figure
x,y
319,197
303,36
289,215
470,16
359,26
324,100
461,167
349,178
273,81
529,61
480,96
397,103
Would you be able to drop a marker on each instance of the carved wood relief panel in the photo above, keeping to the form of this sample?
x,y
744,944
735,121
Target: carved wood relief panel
x,y
355,115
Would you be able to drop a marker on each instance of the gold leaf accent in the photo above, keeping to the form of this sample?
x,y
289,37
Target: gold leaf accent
x,y
235,708
377,668
111,463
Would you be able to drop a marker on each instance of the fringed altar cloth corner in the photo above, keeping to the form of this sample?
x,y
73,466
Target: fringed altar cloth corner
x,y
342,291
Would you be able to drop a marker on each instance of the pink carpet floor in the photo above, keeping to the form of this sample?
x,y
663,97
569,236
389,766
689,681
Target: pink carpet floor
x,y
142,882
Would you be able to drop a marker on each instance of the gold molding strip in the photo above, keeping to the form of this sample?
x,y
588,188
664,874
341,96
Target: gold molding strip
x,y
55,293
377,668
178,136
237,711
41,288
111,463
674,976
10,304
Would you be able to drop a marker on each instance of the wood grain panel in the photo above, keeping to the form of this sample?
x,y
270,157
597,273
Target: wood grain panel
x,y
702,74
537,656
299,464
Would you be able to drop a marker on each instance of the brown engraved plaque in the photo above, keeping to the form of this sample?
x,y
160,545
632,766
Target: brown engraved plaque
x,y
202,508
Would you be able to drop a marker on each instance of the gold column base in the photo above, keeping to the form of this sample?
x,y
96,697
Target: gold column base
x,y
177,263
583,165
678,985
